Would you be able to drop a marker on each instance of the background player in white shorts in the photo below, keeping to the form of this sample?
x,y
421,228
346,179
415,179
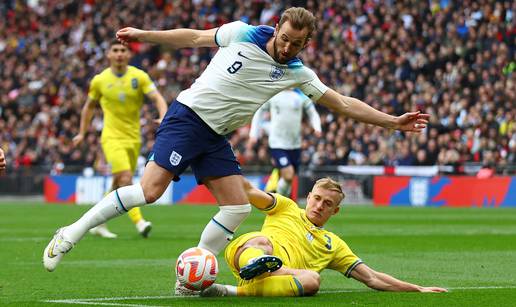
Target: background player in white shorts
x,y
286,113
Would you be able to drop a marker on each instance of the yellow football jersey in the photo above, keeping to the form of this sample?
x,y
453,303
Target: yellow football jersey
x,y
121,98
301,244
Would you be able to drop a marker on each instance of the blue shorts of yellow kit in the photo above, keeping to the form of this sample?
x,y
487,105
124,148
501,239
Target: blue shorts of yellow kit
x,y
183,139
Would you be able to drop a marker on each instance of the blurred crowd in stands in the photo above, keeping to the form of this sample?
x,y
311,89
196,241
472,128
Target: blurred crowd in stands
x,y
453,59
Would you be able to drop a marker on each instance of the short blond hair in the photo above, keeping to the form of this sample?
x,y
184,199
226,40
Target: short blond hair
x,y
329,184
299,18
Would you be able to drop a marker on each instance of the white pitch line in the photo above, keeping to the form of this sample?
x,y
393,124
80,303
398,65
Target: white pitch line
x,y
109,262
104,300
483,287
99,303
121,298
23,239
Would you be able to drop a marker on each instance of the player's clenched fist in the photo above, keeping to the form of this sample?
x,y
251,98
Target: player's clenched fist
x,y
127,35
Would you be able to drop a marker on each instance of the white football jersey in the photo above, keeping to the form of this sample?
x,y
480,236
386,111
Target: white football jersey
x,y
286,113
242,76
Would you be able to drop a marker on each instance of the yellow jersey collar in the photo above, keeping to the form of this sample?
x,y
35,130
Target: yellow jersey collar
x,y
308,222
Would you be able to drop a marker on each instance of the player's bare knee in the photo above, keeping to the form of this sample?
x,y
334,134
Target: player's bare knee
x,y
125,180
151,197
227,190
288,173
122,179
151,193
155,181
310,281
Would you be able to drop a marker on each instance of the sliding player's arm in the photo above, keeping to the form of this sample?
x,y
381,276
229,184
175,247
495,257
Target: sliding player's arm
x,y
384,282
176,38
257,197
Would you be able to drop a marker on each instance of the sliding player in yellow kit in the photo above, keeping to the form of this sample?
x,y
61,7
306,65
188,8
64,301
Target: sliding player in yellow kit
x,y
120,90
286,256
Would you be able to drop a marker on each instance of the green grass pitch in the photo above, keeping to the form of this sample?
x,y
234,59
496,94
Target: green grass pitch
x,y
470,251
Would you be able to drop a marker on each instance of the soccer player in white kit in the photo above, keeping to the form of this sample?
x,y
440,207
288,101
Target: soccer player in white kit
x,y
253,63
286,113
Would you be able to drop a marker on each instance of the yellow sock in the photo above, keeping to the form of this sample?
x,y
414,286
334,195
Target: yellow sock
x,y
135,214
280,285
272,183
248,254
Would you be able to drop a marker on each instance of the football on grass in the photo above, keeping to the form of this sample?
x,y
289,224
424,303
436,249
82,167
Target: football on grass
x,y
196,268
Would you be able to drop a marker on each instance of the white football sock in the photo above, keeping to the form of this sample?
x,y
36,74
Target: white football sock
x,y
114,204
284,187
219,231
232,290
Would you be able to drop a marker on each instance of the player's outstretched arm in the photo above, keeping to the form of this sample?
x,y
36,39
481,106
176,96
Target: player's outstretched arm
x,y
176,38
384,282
257,198
356,109
86,115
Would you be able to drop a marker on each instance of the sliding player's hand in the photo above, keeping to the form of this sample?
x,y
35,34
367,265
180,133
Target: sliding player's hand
x,y
433,289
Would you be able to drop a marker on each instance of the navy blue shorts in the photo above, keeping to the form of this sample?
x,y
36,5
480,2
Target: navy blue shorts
x,y
285,157
183,139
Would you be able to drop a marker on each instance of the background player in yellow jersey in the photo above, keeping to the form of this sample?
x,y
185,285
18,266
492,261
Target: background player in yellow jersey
x,y
296,238
120,90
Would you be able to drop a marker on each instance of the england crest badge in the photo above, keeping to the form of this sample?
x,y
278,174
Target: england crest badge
x,y
276,73
175,158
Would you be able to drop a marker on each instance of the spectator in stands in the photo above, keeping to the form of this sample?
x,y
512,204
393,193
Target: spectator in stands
x,y
2,160
487,171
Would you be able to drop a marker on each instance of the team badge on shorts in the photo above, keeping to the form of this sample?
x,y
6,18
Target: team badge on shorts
x,y
276,73
175,158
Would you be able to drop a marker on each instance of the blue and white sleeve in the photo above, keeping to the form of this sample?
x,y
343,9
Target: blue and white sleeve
x,y
311,85
230,32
